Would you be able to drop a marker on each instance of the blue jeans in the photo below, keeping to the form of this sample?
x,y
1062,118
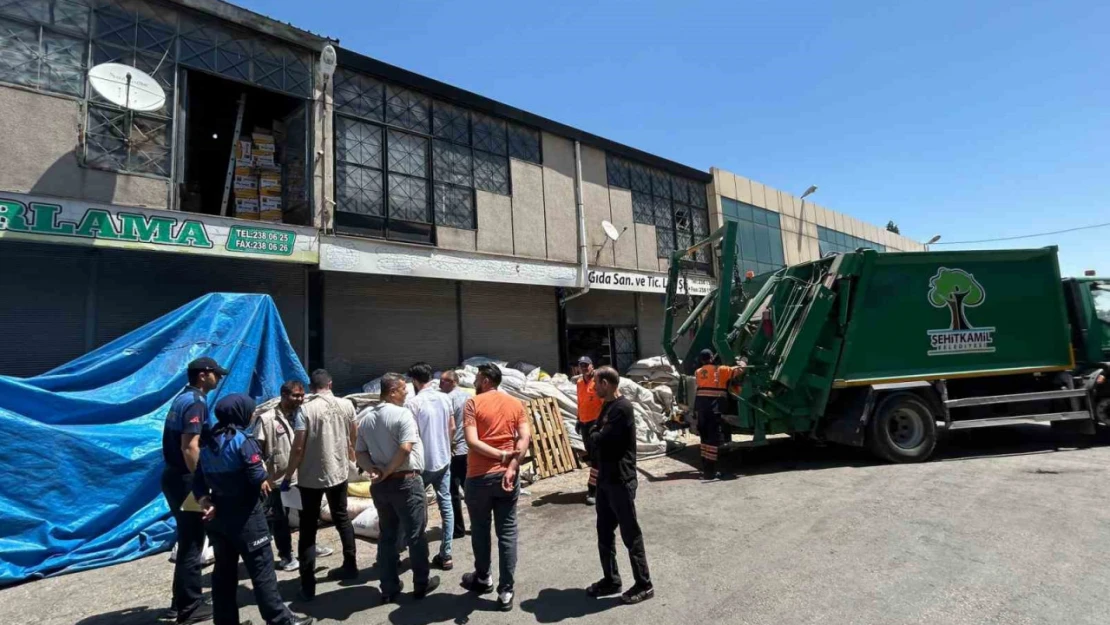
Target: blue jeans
x,y
441,484
487,501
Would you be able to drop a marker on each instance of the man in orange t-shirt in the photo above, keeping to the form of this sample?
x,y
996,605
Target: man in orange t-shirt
x,y
589,409
497,434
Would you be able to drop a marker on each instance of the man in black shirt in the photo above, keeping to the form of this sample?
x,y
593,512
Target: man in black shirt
x,y
614,442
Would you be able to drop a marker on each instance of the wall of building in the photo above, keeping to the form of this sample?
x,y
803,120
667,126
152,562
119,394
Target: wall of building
x,y
799,223
40,135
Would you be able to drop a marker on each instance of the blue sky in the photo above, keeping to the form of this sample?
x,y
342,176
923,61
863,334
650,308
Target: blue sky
x,y
968,120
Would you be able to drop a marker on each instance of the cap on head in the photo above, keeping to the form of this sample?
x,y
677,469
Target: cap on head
x,y
706,356
207,364
585,360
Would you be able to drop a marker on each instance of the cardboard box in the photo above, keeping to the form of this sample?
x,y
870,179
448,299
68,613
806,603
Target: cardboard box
x,y
264,160
246,207
269,208
245,179
269,183
263,142
243,151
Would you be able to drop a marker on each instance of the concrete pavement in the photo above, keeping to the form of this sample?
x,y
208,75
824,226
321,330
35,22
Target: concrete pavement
x,y
1000,528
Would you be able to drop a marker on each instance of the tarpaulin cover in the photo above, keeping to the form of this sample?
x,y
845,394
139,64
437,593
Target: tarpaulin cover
x,y
81,445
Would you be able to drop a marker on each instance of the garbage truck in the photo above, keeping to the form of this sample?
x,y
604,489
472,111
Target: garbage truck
x,y
890,350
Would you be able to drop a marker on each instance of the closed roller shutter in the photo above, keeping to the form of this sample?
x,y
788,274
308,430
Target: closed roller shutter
x,y
42,309
376,324
134,288
512,322
602,308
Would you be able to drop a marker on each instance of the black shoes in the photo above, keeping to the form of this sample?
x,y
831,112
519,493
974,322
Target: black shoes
x,y
471,582
603,588
202,612
505,600
345,572
638,594
393,596
438,562
457,534
303,620
420,592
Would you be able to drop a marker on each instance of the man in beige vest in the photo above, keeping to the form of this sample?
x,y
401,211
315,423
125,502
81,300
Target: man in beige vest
x,y
275,430
322,456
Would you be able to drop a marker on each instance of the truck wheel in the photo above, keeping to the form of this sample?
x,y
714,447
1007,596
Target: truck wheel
x,y
903,429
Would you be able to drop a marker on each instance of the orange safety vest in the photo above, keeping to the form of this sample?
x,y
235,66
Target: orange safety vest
x,y
589,404
713,380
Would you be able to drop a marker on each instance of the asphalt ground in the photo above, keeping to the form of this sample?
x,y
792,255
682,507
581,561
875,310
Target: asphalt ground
x,y
1001,527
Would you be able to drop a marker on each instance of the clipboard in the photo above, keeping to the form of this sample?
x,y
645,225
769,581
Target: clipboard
x,y
292,498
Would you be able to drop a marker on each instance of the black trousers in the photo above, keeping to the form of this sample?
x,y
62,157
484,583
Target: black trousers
x,y
259,563
190,541
709,429
591,456
458,479
401,508
310,522
616,507
278,519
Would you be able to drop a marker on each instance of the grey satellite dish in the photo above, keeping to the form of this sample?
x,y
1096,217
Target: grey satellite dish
x,y
127,86
610,230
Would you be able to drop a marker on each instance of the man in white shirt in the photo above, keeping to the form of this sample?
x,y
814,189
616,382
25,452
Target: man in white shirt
x,y
435,419
449,384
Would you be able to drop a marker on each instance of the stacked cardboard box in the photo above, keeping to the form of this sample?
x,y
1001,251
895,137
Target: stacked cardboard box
x,y
245,187
264,149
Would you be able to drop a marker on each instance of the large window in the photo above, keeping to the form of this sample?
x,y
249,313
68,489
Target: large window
x,y
759,240
675,206
830,241
437,155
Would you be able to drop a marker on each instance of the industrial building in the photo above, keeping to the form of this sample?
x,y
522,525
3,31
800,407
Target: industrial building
x,y
392,217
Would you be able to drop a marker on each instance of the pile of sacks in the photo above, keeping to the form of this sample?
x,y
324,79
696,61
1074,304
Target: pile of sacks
x,y
654,371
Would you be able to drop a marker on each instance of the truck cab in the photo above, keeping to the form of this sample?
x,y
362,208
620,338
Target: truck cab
x,y
1088,301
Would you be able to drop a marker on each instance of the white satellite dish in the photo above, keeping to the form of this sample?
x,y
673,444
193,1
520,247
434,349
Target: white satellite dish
x,y
127,86
610,230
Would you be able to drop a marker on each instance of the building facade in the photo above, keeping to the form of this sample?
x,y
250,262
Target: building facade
x,y
392,217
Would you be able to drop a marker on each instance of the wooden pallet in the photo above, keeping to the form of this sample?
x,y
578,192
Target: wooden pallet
x,y
550,447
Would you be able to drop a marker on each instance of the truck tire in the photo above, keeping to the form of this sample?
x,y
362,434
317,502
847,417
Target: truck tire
x,y
902,429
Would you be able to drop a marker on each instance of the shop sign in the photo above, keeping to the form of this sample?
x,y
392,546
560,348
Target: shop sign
x,y
72,222
646,282
381,257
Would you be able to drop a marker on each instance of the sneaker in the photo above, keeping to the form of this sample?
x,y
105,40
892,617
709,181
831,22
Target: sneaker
x,y
323,552
345,572
169,614
638,594
420,592
710,477
590,500
473,583
289,565
505,600
303,620
445,564
603,588
202,612
392,597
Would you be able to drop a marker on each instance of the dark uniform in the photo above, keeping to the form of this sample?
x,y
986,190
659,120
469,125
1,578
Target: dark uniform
x,y
188,414
709,402
231,473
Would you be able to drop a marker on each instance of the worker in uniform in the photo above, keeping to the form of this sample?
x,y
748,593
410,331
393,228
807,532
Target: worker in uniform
x,y
589,409
709,402
187,423
229,485
274,430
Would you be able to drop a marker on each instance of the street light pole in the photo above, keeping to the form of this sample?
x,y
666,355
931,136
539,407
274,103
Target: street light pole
x,y
931,241
802,216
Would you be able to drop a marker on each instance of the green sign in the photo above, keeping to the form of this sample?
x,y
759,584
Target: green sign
x,y
69,221
252,240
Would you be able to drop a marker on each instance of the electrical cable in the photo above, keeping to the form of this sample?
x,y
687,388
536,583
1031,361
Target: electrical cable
x,y
1023,236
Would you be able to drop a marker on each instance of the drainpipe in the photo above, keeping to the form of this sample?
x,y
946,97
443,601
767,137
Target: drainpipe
x,y
583,253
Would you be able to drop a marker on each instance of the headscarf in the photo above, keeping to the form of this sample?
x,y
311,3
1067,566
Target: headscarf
x,y
234,412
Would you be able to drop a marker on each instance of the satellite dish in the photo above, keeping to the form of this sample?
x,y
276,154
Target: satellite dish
x,y
127,86
610,230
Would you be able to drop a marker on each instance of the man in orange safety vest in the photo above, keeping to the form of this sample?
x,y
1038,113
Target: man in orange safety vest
x,y
713,382
589,409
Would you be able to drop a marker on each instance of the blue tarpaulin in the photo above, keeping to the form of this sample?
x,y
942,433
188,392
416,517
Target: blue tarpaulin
x,y
81,445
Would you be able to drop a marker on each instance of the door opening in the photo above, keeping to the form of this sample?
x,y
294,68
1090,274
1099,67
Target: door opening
x,y
615,346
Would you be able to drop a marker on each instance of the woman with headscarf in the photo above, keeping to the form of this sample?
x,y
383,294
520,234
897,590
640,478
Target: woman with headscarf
x,y
229,484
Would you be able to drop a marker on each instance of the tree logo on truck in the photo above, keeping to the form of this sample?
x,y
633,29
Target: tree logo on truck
x,y
957,290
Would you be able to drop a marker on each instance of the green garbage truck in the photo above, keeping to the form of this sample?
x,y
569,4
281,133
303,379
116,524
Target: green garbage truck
x,y
891,350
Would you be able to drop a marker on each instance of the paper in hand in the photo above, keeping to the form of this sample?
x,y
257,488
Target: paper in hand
x,y
292,498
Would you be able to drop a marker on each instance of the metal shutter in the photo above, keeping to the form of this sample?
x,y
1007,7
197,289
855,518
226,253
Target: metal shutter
x,y
602,308
42,310
511,322
651,324
376,324
134,288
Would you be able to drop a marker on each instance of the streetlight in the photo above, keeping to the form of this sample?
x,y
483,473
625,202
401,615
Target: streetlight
x,y
802,217
931,241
